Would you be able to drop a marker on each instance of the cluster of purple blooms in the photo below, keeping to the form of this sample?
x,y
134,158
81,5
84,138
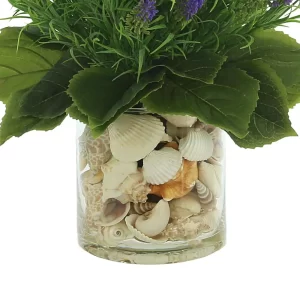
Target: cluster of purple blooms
x,y
146,9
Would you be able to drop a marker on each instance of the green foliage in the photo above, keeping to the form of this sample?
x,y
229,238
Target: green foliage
x,y
14,126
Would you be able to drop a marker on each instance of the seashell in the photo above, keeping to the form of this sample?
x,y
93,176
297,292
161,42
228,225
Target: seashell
x,y
82,162
136,187
155,221
89,177
114,235
160,166
208,221
166,138
180,185
204,194
173,145
130,222
171,130
132,137
197,145
95,151
180,121
184,131
185,207
115,172
211,176
112,212
141,208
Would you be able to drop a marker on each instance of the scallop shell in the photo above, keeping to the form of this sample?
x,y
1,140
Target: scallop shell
x,y
162,165
133,137
180,185
166,138
130,222
114,235
197,145
204,194
155,221
211,176
171,130
113,212
180,121
136,187
115,172
141,208
95,151
185,207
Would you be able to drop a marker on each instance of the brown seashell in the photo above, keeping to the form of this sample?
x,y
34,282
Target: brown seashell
x,y
141,208
173,145
180,185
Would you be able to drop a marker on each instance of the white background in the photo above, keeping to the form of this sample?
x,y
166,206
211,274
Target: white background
x,y
40,259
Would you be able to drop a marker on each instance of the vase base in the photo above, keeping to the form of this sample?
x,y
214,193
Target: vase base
x,y
195,250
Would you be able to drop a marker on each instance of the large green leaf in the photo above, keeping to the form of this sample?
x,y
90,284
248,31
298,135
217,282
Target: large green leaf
x,y
293,94
277,49
270,121
76,114
203,66
103,99
12,126
228,103
22,62
48,98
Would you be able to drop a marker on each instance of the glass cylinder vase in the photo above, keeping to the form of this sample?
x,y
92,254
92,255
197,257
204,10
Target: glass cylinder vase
x,y
151,189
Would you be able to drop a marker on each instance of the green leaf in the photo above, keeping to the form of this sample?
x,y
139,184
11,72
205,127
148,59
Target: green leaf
x,y
270,121
228,103
277,49
293,94
12,126
203,66
48,98
22,62
76,114
103,100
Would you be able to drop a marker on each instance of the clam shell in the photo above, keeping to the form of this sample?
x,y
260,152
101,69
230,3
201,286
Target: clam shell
x,y
114,235
132,137
95,151
211,176
197,145
180,185
180,121
185,207
155,221
204,194
113,212
141,208
130,222
162,165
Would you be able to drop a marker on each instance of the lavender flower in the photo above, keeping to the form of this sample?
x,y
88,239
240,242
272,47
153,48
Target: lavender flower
x,y
277,3
190,7
146,10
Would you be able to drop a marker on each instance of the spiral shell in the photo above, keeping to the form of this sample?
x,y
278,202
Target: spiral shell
x,y
162,165
141,208
182,184
204,194
197,145
130,222
133,137
95,152
180,121
114,235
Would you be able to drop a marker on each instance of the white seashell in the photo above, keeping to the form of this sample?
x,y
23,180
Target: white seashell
x,y
162,165
185,207
132,137
204,194
197,145
180,121
136,187
155,221
141,208
114,235
95,151
130,222
184,131
113,212
171,130
90,177
115,172
166,138
211,176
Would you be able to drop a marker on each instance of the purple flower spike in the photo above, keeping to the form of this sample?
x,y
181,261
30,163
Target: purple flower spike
x,y
277,3
146,10
190,7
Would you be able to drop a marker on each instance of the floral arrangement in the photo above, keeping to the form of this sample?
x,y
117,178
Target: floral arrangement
x,y
221,61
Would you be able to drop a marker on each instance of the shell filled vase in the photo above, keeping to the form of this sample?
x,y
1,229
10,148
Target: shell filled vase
x,y
151,189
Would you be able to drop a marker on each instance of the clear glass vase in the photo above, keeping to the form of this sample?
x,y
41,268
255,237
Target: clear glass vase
x,y
151,189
